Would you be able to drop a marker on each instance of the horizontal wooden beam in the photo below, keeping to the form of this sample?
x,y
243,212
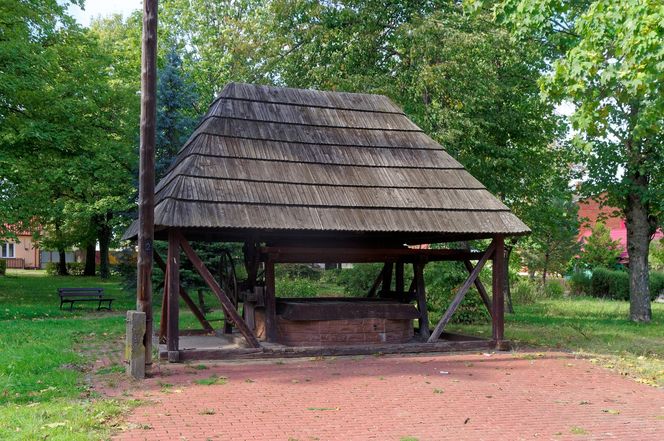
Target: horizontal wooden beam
x,y
332,351
363,255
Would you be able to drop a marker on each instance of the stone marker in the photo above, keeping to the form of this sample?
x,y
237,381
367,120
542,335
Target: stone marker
x,y
134,345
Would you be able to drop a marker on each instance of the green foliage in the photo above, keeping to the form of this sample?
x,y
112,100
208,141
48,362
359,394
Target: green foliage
x,y
525,292
656,284
599,250
610,284
554,289
580,283
295,287
357,281
3,267
298,271
656,255
442,280
73,268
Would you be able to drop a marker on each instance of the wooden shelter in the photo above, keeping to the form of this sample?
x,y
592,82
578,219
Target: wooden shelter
x,y
307,176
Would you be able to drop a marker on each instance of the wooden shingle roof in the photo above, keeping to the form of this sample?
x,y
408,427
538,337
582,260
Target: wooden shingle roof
x,y
269,158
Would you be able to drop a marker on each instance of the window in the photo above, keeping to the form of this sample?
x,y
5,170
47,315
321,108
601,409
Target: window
x,y
7,250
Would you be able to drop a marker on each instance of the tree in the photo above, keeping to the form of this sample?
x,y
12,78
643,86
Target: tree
x,y
176,118
607,60
554,240
599,250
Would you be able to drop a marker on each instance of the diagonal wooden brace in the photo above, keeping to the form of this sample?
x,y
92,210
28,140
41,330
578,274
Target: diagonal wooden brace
x,y
187,299
458,298
480,288
229,308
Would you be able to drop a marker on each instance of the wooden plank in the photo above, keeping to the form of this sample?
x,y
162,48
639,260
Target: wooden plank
x,y
359,255
173,277
164,309
458,298
185,296
420,295
332,351
148,136
295,310
270,303
480,288
226,303
498,317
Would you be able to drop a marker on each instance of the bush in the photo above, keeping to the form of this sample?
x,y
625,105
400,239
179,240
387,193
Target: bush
x,y
656,284
610,284
3,267
290,287
73,268
442,280
525,292
298,271
357,280
580,283
554,289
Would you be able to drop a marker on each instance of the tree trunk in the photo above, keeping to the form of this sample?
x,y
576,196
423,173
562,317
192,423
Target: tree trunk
x,y
545,270
506,284
89,269
638,240
62,264
104,234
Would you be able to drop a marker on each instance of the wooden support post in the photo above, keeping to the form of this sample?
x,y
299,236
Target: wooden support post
x,y
148,136
498,317
420,294
458,298
398,280
387,280
173,284
229,308
270,303
185,296
164,309
480,288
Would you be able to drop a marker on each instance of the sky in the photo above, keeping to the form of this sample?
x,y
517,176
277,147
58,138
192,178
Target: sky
x,y
95,8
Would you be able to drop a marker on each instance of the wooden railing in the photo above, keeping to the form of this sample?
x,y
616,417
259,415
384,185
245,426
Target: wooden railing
x,y
15,263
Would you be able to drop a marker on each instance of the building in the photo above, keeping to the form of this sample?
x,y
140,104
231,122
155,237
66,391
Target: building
x,y
22,252
590,212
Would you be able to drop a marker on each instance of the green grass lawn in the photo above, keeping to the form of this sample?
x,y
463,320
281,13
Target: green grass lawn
x,y
46,354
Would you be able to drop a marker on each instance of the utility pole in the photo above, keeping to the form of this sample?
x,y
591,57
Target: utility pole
x,y
146,170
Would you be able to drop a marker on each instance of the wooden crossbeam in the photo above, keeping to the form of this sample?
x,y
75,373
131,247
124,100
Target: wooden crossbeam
x,y
480,288
458,298
361,255
229,308
187,299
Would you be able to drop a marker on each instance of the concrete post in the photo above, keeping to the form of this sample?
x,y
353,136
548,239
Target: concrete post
x,y
134,344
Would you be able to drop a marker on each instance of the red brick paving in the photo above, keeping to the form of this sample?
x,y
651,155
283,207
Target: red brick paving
x,y
499,397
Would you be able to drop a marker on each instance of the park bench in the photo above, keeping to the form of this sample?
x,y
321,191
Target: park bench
x,y
72,295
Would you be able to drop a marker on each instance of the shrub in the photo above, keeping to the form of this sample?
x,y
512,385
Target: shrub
x,y
3,267
553,289
73,268
442,280
292,287
610,284
298,271
656,284
357,280
525,292
580,282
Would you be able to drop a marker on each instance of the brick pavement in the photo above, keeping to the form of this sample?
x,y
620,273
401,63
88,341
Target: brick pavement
x,y
549,396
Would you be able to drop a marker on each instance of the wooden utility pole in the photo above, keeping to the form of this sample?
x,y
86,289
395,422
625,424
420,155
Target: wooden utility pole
x,y
146,170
